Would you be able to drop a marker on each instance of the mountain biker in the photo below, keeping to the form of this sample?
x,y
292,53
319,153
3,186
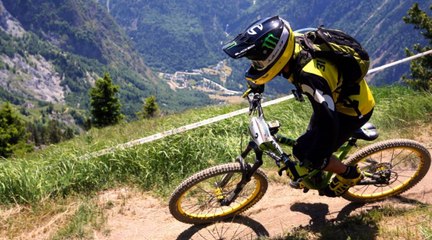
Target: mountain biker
x,y
270,45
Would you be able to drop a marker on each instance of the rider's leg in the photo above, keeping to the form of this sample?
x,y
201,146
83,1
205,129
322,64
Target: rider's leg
x,y
335,165
346,177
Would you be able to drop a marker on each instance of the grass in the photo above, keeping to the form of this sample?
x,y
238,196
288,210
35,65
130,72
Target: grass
x,y
72,217
87,218
399,107
58,172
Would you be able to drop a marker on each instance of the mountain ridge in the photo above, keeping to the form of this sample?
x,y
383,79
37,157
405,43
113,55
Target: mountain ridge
x,y
140,41
79,41
377,25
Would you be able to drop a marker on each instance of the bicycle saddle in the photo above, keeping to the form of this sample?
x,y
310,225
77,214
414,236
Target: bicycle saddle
x,y
366,132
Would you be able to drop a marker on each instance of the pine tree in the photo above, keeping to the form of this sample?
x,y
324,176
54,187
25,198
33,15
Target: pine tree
x,y
105,105
150,108
12,130
54,132
421,68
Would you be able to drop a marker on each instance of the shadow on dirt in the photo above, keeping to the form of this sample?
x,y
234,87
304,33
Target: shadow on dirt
x,y
240,227
344,226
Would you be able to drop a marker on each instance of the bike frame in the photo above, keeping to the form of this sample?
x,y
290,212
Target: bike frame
x,y
223,191
265,141
306,180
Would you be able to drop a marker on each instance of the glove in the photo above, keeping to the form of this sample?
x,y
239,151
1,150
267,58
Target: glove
x,y
253,88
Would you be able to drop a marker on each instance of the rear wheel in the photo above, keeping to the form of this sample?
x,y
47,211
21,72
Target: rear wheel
x,y
390,168
197,200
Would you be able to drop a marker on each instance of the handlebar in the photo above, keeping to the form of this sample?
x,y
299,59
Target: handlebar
x,y
254,100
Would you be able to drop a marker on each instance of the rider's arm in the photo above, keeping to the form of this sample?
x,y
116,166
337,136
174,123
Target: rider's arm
x,y
319,94
317,144
318,80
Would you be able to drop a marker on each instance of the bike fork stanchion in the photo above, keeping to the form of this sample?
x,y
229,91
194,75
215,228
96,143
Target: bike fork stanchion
x,y
247,171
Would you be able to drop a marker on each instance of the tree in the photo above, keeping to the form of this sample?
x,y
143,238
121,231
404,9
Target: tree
x,y
150,108
421,68
54,131
12,130
104,103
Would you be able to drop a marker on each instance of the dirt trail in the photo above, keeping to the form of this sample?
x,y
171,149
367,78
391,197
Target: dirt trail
x,y
139,216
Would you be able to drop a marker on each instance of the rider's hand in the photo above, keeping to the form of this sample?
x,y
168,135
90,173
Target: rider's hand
x,y
253,88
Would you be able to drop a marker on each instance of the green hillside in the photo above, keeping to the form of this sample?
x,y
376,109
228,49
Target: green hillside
x,y
60,176
64,169
188,34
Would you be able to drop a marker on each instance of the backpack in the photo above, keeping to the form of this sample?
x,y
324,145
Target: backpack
x,y
343,50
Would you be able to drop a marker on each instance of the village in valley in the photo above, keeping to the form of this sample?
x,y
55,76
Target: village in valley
x,y
211,80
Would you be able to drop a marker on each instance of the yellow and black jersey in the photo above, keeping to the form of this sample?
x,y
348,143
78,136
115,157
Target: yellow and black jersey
x,y
321,80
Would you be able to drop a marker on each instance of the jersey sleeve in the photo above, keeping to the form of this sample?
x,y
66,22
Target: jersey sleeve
x,y
329,74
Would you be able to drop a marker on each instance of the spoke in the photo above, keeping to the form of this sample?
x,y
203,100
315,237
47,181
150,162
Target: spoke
x,y
211,234
401,182
204,191
397,164
364,187
413,160
407,176
375,190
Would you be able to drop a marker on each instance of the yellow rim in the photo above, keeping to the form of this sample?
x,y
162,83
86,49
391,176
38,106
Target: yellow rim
x,y
396,188
224,210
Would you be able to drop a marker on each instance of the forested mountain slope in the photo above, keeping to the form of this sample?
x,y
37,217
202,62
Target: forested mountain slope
x,y
190,33
53,51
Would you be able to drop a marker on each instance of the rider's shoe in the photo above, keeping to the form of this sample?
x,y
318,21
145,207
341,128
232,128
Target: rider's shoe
x,y
341,183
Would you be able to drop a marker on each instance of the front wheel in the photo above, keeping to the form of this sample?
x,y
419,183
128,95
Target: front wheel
x,y
199,198
389,167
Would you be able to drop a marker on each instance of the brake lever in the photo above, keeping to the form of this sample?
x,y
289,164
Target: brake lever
x,y
254,100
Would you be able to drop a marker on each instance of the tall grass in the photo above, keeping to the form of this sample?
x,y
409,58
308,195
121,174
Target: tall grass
x,y
59,171
400,107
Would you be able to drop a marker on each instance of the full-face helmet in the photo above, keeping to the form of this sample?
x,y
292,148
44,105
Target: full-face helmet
x,y
268,43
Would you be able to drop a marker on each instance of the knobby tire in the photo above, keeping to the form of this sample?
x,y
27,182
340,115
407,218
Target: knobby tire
x,y
196,201
408,162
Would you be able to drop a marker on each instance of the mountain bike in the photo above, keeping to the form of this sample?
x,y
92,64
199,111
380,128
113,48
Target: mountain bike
x,y
220,192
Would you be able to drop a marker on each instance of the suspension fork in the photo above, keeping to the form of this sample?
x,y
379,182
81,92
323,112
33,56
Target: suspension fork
x,y
247,172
